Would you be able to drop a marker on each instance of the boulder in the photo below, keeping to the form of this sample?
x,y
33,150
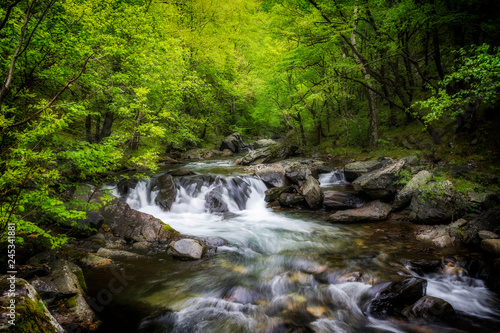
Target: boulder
x,y
116,254
186,249
357,169
492,246
214,201
125,222
29,314
379,184
440,236
403,197
66,277
372,211
340,200
430,308
297,173
262,143
485,234
268,154
275,192
199,154
392,298
291,200
272,175
233,142
437,203
125,185
312,192
489,220
167,193
181,172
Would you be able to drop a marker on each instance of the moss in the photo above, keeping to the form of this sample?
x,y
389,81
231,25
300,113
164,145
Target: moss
x,y
81,279
31,318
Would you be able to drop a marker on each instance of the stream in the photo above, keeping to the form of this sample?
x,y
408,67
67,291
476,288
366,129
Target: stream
x,y
279,270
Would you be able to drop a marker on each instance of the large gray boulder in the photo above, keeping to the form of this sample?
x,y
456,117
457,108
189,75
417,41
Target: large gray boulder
x,y
273,175
187,249
167,193
127,223
29,314
379,184
372,211
403,197
268,154
358,169
312,192
341,200
233,142
297,173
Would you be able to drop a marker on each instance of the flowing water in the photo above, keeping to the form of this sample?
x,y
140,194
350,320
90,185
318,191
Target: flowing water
x,y
275,271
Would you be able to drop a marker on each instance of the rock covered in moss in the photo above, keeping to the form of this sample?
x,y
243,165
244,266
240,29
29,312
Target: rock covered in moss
x,y
403,197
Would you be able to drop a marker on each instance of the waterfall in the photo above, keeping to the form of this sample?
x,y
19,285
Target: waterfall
x,y
335,177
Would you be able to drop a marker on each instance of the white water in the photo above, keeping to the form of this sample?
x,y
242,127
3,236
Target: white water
x,y
335,177
272,252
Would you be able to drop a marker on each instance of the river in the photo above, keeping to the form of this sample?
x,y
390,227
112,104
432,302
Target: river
x,y
280,270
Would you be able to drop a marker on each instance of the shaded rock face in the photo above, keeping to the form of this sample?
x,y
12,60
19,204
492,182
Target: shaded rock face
x,y
268,154
30,311
291,200
440,236
403,197
379,184
262,143
273,175
340,200
186,249
167,193
429,307
395,296
275,192
233,142
298,173
372,211
492,246
214,201
490,220
128,223
312,192
358,169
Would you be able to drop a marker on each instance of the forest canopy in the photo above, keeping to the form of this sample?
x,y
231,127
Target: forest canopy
x,y
89,86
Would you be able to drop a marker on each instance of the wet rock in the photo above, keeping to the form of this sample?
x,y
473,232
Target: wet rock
x,y
125,222
262,143
312,192
275,192
440,236
73,313
379,184
233,142
358,169
66,277
116,254
142,246
429,308
492,246
273,174
451,269
269,154
215,241
214,201
92,261
490,220
167,193
393,297
403,197
46,289
126,184
372,211
340,200
29,313
423,266
298,173
181,172
186,249
291,200
485,234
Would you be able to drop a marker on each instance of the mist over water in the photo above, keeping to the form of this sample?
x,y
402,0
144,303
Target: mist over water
x,y
280,272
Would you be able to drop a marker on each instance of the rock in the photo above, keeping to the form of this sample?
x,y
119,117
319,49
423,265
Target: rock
x,y
73,313
92,261
357,169
128,223
340,200
438,203
29,313
187,249
485,234
490,220
181,172
492,246
233,142
440,236
372,211
109,253
430,308
312,192
297,173
214,201
275,192
226,153
142,246
379,184
66,277
269,154
46,289
273,174
393,297
126,184
167,193
403,197
423,266
199,154
291,200
262,143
